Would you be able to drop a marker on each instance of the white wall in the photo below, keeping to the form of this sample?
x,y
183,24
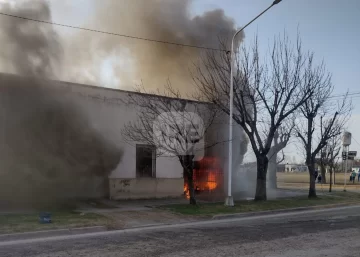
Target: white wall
x,y
108,114
168,167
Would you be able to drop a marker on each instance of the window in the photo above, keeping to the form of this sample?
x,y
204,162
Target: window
x,y
145,161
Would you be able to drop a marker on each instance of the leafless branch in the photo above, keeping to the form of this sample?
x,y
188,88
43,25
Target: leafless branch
x,y
322,119
172,125
266,92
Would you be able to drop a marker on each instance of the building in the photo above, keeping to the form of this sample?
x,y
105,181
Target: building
x,y
296,168
356,168
281,167
138,174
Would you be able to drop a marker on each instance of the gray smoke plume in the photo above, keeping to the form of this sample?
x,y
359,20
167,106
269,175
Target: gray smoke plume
x,y
29,48
151,62
34,49
49,151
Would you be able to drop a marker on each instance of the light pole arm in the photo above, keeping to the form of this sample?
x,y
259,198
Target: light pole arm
x,y
240,30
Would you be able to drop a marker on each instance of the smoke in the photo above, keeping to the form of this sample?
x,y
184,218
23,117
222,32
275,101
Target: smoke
x,y
49,152
153,63
34,49
29,48
135,60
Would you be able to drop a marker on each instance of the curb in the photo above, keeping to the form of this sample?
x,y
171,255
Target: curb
x,y
263,213
50,233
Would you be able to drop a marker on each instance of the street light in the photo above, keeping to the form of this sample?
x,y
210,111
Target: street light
x,y
229,199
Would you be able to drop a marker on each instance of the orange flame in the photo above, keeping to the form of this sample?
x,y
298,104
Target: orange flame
x,y
186,191
211,183
206,177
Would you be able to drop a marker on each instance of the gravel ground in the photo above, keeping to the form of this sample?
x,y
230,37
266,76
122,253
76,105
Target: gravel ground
x,y
312,233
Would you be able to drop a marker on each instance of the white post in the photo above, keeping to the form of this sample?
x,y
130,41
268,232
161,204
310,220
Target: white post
x,y
346,161
229,199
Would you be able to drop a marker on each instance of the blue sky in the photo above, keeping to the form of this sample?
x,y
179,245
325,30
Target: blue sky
x,y
327,27
330,28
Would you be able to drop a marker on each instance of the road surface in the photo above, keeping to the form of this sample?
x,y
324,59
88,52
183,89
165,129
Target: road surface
x,y
332,232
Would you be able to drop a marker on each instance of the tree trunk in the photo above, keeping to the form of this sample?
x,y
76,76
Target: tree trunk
x,y
330,186
323,174
262,166
272,179
191,187
312,188
273,161
189,170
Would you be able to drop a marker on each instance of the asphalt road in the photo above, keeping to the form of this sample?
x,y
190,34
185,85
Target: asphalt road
x,y
332,232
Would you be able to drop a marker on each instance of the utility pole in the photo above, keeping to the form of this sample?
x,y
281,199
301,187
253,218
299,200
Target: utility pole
x,y
229,201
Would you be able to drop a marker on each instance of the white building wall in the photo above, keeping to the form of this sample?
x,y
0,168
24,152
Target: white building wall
x,y
108,113
168,167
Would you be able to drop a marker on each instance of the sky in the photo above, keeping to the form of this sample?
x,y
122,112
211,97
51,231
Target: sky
x,y
330,28
327,27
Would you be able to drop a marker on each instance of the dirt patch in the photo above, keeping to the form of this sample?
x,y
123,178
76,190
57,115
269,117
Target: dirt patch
x,y
128,219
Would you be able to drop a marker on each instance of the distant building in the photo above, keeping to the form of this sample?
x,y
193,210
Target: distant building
x,y
296,168
281,168
356,169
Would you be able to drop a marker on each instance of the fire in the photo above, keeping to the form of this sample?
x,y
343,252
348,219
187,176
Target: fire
x,y
211,183
207,176
186,191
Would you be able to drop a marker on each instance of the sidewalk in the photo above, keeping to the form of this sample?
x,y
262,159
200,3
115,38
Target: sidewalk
x,y
99,214
119,215
113,215
86,232
139,213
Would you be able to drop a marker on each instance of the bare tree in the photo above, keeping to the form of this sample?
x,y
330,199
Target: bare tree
x,y
328,158
175,127
321,115
331,155
281,139
266,93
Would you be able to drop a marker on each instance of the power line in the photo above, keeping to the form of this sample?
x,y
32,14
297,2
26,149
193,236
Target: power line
x,y
337,99
348,94
112,33
139,38
355,140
